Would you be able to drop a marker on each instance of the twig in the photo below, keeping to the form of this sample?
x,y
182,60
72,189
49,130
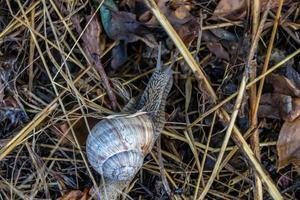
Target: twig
x,y
31,51
257,30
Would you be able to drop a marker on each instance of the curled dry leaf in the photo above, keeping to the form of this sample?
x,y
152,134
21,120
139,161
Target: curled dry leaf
x,y
236,9
279,106
188,31
178,13
222,43
232,9
121,25
283,85
80,129
182,12
288,144
284,103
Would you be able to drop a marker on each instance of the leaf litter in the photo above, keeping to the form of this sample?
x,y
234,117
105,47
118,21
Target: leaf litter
x,y
91,60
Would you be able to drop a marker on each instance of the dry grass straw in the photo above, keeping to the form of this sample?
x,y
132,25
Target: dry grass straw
x,y
26,18
237,136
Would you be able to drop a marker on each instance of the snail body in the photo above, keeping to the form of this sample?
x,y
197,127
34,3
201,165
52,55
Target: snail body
x,y
117,145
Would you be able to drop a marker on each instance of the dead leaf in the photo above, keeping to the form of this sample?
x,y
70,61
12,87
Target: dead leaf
x,y
288,144
236,9
232,9
79,127
218,50
283,85
121,25
279,106
182,8
182,12
178,13
119,55
75,195
188,31
172,16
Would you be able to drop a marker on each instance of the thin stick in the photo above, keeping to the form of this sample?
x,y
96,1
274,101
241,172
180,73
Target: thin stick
x,y
255,17
237,136
31,51
257,30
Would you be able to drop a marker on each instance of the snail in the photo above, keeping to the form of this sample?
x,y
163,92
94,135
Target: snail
x,y
117,145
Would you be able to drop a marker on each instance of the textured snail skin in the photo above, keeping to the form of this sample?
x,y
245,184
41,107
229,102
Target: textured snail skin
x,y
117,145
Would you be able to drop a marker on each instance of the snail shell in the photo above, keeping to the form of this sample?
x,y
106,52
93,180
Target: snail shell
x,y
117,146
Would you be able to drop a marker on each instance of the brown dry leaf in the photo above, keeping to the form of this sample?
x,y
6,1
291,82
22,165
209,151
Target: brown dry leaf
x,y
288,144
182,8
91,36
236,9
124,26
232,9
188,31
79,127
75,195
217,49
172,16
283,85
279,106
182,12
178,13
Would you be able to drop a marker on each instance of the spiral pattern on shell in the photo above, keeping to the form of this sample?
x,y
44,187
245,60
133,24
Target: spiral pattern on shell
x,y
116,146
